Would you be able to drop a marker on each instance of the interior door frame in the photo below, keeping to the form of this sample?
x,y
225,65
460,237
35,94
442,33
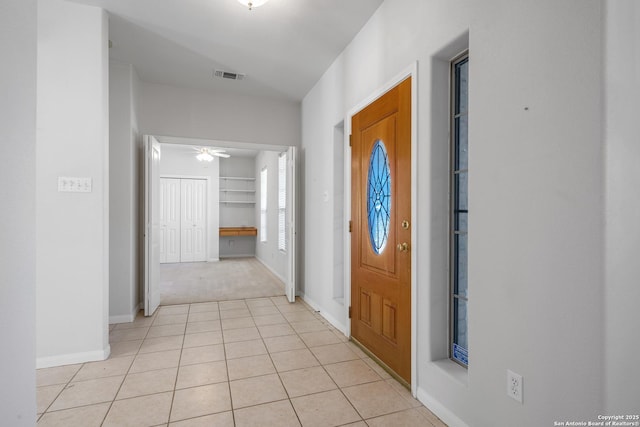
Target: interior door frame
x,y
410,71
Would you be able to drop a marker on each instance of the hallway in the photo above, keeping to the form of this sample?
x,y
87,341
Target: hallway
x,y
242,362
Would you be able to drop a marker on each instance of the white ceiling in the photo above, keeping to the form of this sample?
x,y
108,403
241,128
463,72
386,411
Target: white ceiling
x,y
283,47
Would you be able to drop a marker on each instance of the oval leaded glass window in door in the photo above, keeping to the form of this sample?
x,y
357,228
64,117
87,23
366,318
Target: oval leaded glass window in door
x,y
379,197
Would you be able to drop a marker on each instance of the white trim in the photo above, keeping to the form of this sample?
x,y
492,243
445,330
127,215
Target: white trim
x,y
441,411
410,71
213,260
329,318
238,255
73,358
275,273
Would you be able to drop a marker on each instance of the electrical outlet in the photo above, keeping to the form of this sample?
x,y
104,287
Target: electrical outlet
x,y
514,386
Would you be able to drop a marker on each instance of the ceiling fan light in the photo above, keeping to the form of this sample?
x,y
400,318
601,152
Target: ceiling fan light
x,y
204,156
252,3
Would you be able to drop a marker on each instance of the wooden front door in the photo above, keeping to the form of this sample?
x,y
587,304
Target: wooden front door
x,y
381,228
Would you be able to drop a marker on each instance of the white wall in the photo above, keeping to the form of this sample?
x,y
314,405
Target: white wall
x,y
72,229
536,254
124,149
180,161
622,292
17,219
172,111
268,252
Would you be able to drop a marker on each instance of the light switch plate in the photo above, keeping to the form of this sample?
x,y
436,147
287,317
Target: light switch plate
x,y
71,184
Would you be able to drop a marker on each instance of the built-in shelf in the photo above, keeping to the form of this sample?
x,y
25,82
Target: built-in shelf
x,y
238,231
237,190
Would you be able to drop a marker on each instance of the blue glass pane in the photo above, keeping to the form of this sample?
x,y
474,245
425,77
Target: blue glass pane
x,y
462,77
461,192
460,279
460,323
462,142
379,197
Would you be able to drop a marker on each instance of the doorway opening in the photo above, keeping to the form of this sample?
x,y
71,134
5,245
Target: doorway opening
x,y
208,220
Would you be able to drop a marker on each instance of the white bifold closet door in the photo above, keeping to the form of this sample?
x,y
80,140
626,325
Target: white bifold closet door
x,y
192,220
183,213
170,220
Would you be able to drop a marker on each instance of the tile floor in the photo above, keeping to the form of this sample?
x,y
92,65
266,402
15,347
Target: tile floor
x,y
255,362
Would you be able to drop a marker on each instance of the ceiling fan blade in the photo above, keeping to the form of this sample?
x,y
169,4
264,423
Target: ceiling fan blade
x,y
223,155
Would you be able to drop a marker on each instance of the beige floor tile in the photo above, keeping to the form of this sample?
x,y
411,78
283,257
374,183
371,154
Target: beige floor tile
x,y
315,339
232,305
250,367
238,323
173,309
235,350
280,300
202,339
86,416
259,302
201,374
271,319
268,331
198,401
256,390
307,381
433,419
144,411
204,316
279,414
299,316
408,418
294,359
208,353
127,334
87,393
293,308
350,373
106,368
375,399
56,375
172,319
153,361
244,334
264,310
46,395
234,314
149,382
284,343
139,322
330,408
202,307
125,348
377,368
206,326
361,354
223,419
152,345
166,330
334,353
404,393
309,326
358,424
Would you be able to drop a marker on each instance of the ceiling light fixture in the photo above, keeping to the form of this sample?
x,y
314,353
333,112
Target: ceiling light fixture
x,y
252,3
207,154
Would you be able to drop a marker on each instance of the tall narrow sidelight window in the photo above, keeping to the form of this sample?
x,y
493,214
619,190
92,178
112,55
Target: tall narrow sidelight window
x,y
282,201
459,238
263,205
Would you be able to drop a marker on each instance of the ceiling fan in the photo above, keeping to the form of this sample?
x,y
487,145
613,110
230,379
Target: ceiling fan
x,y
206,154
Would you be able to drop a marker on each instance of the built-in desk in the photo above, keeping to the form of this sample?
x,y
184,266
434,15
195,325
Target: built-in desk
x,y
238,231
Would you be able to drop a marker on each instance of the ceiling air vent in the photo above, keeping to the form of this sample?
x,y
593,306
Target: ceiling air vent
x,y
228,75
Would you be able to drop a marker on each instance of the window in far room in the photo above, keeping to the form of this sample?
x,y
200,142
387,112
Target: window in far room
x,y
263,205
282,202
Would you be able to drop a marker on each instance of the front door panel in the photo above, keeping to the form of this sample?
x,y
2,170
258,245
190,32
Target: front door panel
x,y
381,239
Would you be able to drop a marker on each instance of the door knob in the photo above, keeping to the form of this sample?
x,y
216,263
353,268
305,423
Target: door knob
x,y
403,247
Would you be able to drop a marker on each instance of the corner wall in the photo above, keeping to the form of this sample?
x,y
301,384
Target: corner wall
x,y
72,229
18,21
124,149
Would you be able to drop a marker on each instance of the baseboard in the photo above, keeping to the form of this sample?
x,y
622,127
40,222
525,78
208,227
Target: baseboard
x,y
213,260
441,411
73,358
126,318
334,322
222,256
275,273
